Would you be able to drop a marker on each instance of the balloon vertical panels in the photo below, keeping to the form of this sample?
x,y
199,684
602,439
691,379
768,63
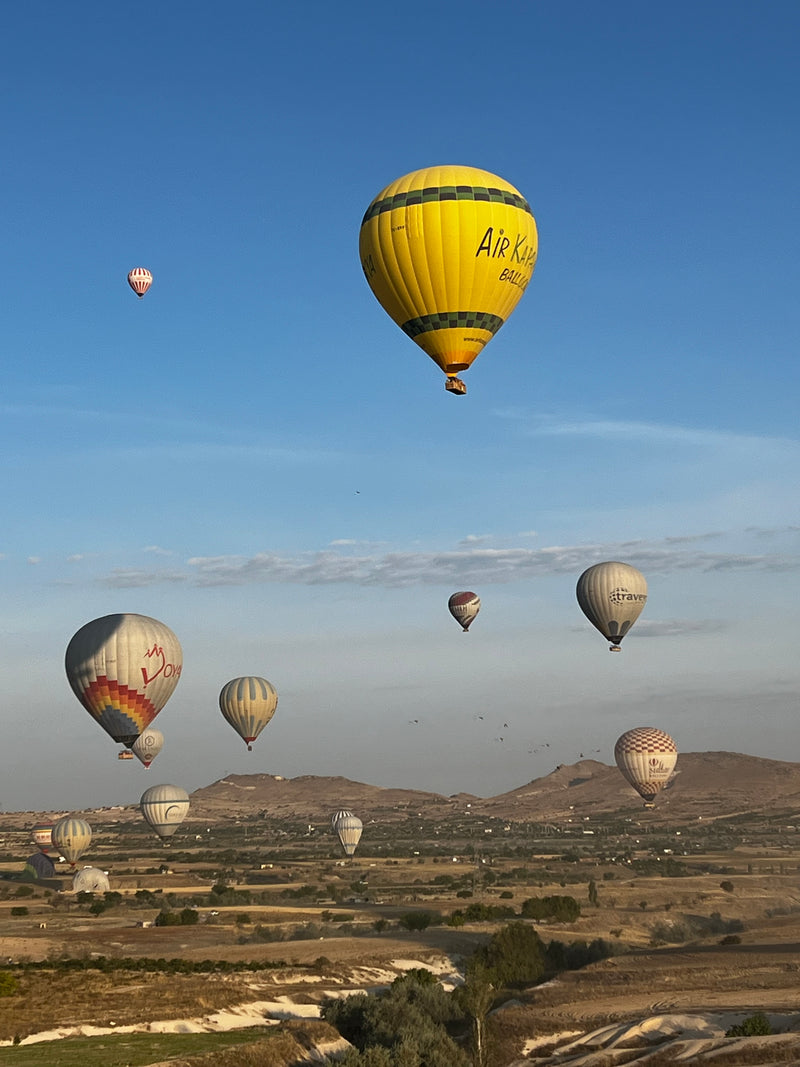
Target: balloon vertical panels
x,y
611,596
248,704
123,669
448,251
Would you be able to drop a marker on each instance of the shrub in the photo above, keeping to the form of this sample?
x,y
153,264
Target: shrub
x,y
560,908
418,920
9,985
19,911
506,895
753,1026
731,939
726,886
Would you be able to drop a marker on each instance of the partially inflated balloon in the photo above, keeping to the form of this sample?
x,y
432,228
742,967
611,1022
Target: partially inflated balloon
x,y
90,880
647,757
448,251
464,607
164,808
248,704
349,828
148,745
140,279
611,596
72,837
123,669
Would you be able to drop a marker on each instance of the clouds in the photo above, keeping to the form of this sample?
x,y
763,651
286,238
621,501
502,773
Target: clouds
x,y
476,564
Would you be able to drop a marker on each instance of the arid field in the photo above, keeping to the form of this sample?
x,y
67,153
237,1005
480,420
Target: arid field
x,y
700,928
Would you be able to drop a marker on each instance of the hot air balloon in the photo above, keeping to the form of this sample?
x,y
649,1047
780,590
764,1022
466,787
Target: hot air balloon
x,y
123,669
647,757
72,837
164,808
91,880
148,745
140,279
349,828
42,836
448,251
342,813
611,596
464,607
248,704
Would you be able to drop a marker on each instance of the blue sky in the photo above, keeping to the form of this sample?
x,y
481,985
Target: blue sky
x,y
257,456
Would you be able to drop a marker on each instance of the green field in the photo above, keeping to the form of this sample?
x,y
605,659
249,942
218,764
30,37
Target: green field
x,y
125,1050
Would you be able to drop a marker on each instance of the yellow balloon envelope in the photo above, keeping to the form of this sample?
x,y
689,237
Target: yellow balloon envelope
x,y
448,252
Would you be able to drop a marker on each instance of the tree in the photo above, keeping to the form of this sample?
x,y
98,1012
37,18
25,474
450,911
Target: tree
x,y
593,900
475,997
514,956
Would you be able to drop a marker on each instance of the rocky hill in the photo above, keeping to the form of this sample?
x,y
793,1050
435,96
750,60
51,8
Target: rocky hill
x,y
706,785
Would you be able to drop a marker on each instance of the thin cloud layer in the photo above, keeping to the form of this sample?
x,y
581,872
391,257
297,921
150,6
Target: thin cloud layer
x,y
487,565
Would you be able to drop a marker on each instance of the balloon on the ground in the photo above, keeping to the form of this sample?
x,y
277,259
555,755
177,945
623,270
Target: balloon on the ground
x,y
123,669
42,836
464,607
148,745
140,279
646,756
349,828
91,880
164,808
72,837
248,704
611,596
38,866
448,251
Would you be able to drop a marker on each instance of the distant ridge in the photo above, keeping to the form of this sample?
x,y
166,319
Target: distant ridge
x,y
707,785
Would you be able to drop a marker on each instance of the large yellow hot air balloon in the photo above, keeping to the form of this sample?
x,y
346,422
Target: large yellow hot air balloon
x,y
123,669
248,704
448,251
647,757
611,596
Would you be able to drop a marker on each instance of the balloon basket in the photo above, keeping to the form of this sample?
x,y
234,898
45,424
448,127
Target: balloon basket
x,y
455,385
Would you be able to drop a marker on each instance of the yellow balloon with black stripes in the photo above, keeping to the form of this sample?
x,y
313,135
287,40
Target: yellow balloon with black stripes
x,y
448,251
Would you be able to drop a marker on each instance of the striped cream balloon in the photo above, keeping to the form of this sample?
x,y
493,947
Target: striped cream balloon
x,y
349,828
72,837
164,808
647,757
248,704
123,669
448,251
464,607
611,596
148,745
140,279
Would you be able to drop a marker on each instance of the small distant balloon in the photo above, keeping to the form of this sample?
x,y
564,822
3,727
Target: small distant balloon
x,y
140,279
464,607
248,704
342,813
72,837
164,808
611,596
646,756
42,836
148,745
349,828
